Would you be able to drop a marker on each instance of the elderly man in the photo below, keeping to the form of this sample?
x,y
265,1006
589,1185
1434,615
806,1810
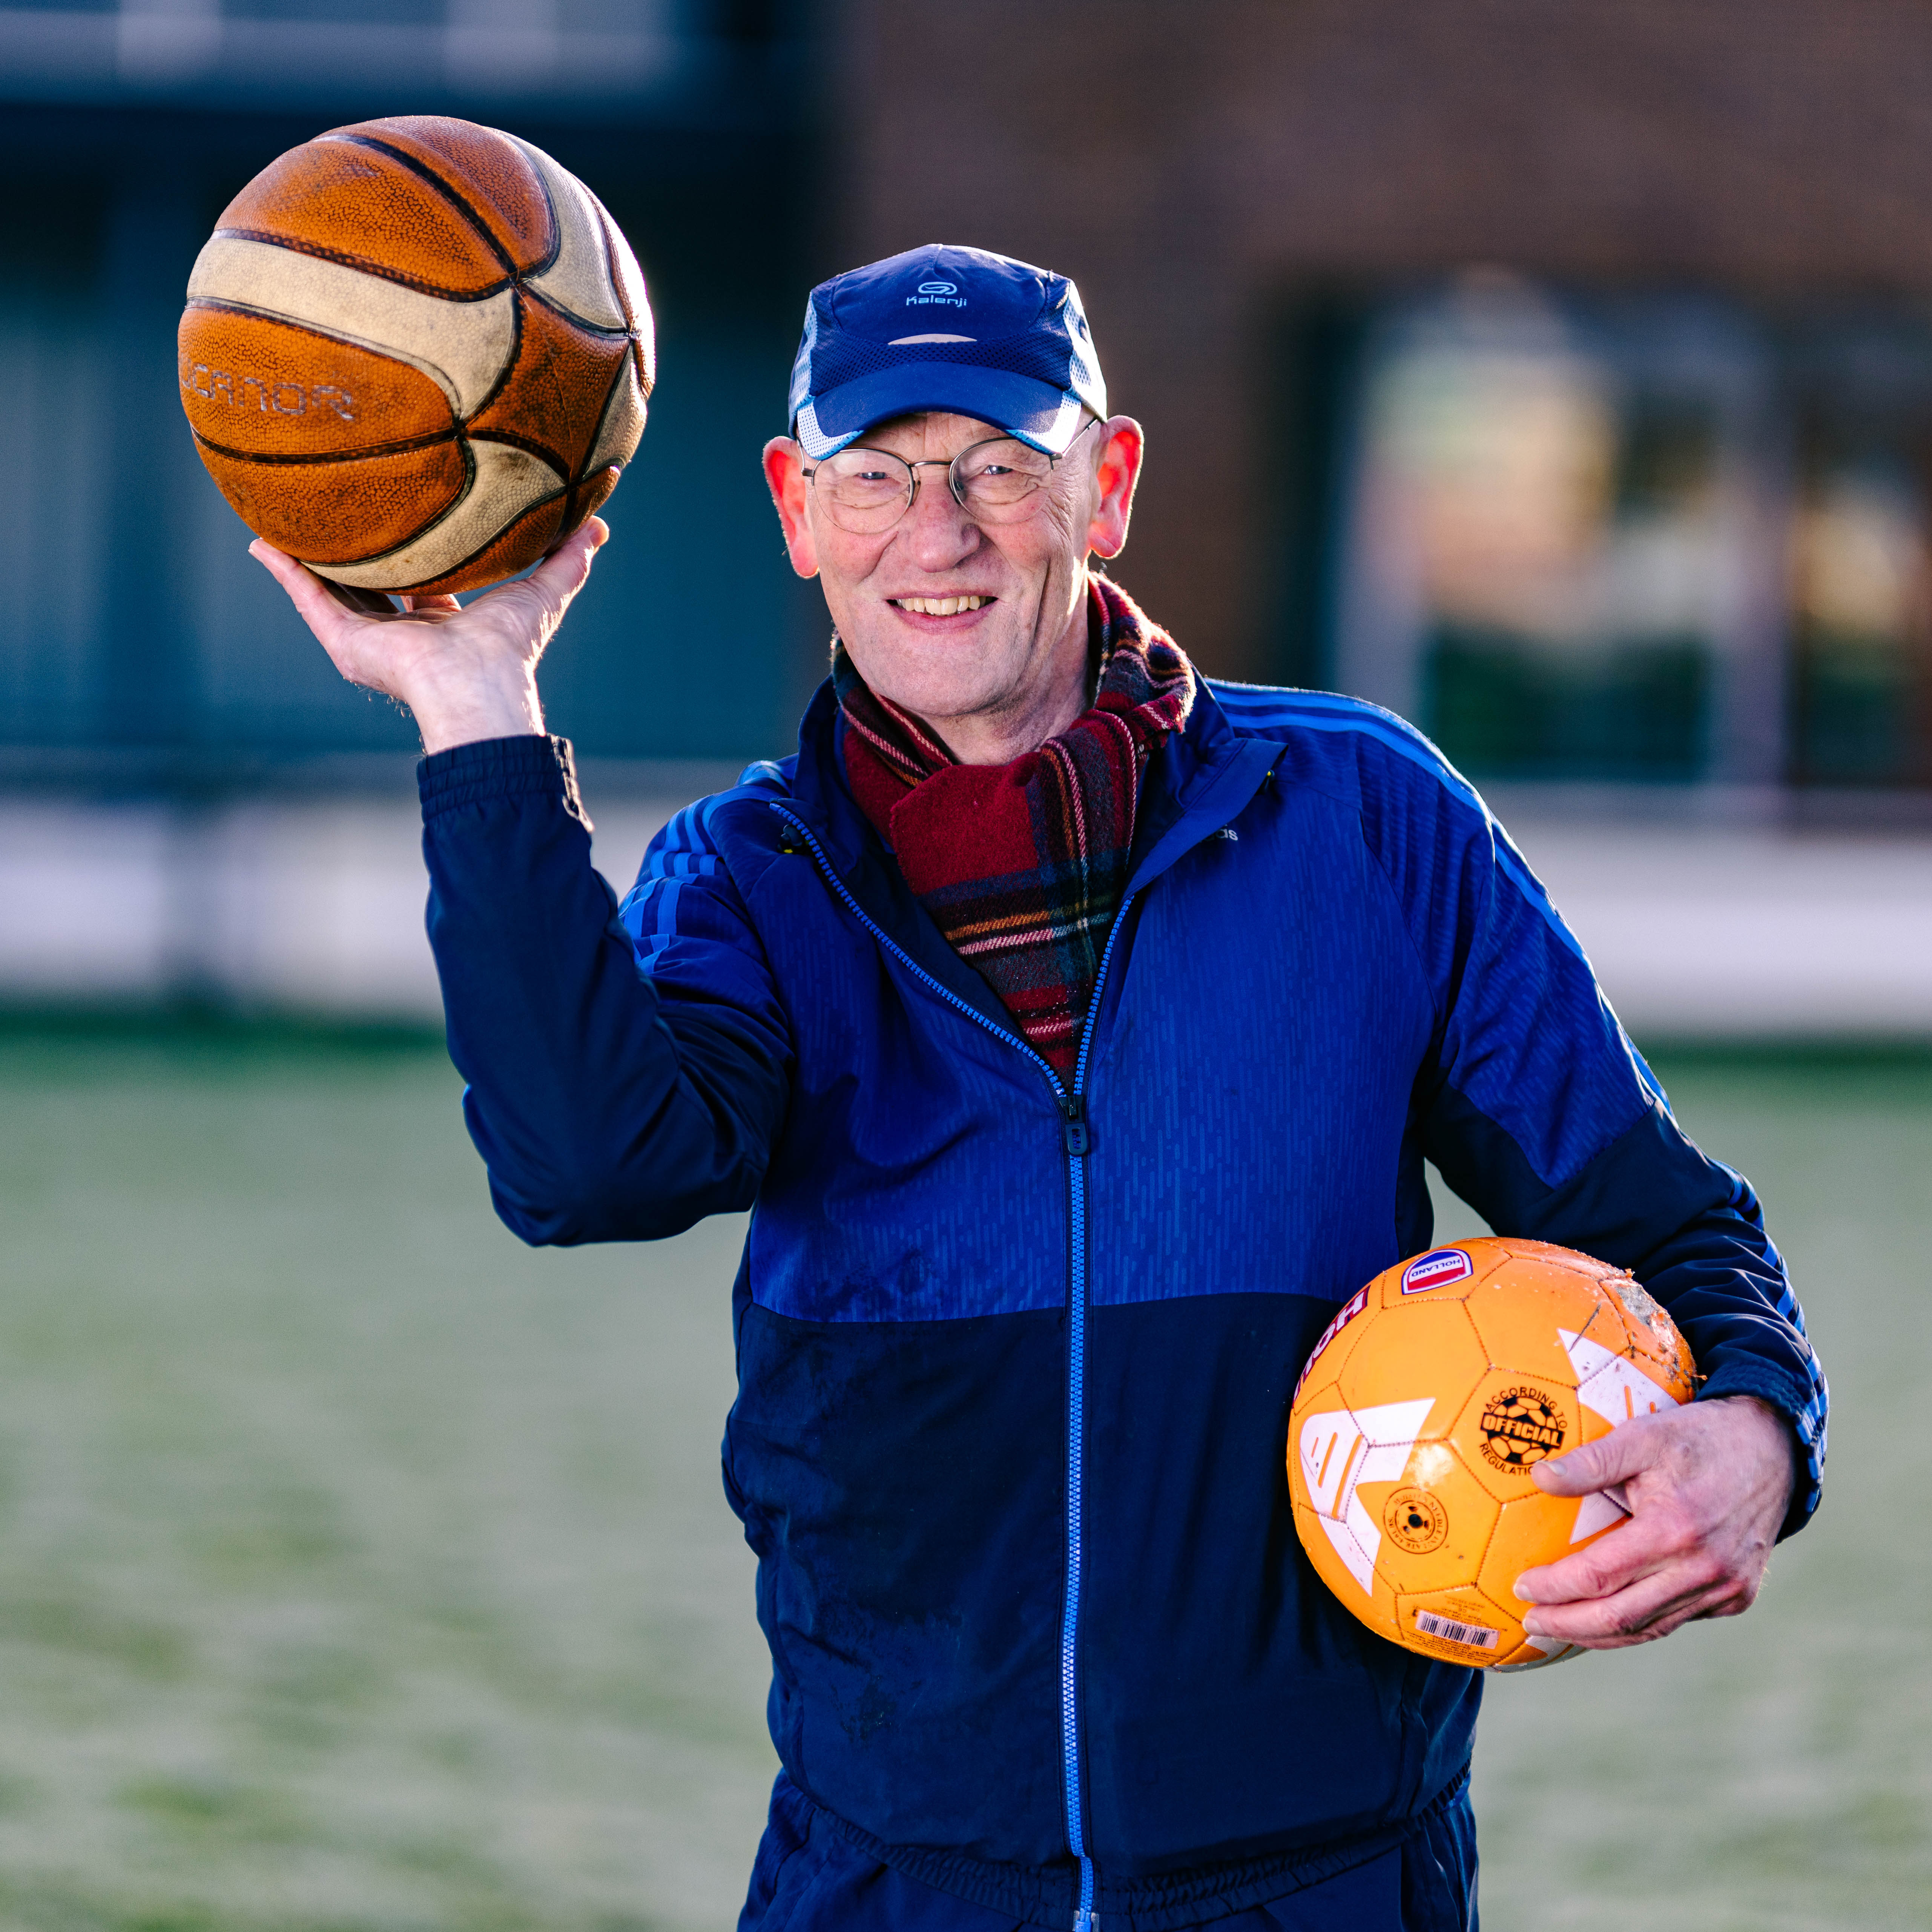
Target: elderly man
x,y
1076,1030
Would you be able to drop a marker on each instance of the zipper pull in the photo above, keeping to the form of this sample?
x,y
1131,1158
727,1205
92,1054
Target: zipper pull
x,y
1074,1129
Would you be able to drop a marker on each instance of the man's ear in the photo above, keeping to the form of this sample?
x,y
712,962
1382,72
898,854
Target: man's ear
x,y
1116,471
785,476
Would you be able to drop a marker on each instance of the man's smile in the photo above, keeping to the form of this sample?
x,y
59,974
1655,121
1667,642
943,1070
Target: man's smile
x,y
941,606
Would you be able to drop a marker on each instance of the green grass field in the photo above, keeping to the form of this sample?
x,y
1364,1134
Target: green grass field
x,y
362,1572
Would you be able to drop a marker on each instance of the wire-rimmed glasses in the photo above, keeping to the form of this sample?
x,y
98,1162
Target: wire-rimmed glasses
x,y
867,491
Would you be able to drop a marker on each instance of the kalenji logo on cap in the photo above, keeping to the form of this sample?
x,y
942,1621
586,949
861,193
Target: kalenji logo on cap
x,y
1432,1269
939,288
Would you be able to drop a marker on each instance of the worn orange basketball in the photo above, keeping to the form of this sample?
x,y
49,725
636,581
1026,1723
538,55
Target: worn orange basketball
x,y
1425,1408
416,354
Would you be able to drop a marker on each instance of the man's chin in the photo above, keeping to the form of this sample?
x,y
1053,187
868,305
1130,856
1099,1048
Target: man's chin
x,y
905,675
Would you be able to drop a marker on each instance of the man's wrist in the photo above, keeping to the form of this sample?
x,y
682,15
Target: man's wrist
x,y
468,711
1780,1425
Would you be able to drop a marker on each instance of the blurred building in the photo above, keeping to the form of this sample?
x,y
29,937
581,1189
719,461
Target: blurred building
x,y
1561,377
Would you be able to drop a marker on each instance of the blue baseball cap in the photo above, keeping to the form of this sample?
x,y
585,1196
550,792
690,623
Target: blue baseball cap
x,y
942,328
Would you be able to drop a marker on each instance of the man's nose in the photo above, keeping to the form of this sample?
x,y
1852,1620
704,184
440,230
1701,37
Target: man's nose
x,y
937,531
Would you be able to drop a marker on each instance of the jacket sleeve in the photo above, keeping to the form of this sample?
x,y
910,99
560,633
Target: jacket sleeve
x,y
606,1106
1538,1111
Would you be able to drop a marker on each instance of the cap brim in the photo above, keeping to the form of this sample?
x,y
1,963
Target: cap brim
x,y
1047,419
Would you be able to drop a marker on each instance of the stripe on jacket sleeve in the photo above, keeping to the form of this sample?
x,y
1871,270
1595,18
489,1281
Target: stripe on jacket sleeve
x,y
684,849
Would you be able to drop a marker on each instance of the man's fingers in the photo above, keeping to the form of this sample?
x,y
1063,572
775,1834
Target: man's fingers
x,y
330,611
562,573
1639,1548
335,624
536,603
306,591
1611,1459
357,641
1651,1607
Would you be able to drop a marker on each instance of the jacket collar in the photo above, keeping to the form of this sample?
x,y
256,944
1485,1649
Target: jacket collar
x,y
1198,780
1202,777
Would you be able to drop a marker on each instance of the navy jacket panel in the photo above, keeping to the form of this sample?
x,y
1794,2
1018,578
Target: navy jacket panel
x,y
1210,1640
909,1612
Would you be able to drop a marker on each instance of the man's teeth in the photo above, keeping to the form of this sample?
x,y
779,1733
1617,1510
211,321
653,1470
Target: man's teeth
x,y
941,606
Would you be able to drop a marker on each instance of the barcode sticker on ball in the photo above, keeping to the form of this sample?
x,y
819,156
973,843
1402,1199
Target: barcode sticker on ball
x,y
1480,1637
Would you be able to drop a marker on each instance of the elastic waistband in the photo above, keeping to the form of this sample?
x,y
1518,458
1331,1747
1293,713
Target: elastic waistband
x,y
1171,1902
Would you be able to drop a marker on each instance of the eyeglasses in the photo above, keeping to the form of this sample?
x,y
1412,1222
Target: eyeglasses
x,y
867,491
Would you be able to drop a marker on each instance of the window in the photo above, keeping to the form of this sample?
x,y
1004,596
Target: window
x,y
1661,538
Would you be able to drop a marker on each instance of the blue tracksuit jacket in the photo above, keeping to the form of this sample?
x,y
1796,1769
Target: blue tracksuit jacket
x,y
1015,1354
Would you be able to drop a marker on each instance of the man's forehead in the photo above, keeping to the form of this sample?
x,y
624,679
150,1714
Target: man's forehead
x,y
928,429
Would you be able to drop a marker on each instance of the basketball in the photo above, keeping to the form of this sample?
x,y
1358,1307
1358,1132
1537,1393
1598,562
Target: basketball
x,y
1423,1412
416,354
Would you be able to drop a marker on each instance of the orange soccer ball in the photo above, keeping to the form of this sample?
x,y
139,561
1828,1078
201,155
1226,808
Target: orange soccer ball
x,y
1425,1406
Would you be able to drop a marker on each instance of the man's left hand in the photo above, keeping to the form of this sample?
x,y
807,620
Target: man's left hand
x,y
1707,1486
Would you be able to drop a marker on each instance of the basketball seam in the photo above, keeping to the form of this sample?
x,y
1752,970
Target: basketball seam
x,y
399,449
611,275
542,165
456,199
562,314
393,352
447,510
464,563
555,220
382,272
227,305
573,517
423,167
582,470
553,458
607,228
530,447
517,292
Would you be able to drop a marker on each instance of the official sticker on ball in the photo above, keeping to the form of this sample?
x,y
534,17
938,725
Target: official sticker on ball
x,y
1422,1413
416,354
1520,1426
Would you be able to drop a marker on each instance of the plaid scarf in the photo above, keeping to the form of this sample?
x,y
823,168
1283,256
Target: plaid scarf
x,y
1022,866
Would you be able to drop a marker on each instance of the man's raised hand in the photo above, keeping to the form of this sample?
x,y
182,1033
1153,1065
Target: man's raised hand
x,y
1708,1485
467,672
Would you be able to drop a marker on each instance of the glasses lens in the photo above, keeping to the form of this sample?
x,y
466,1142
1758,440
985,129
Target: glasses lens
x,y
864,490
1001,475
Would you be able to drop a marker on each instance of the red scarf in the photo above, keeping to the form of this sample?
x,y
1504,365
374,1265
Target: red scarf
x,y
1023,866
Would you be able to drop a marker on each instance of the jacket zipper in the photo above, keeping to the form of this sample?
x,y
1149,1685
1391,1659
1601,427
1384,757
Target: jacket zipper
x,y
1076,1138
